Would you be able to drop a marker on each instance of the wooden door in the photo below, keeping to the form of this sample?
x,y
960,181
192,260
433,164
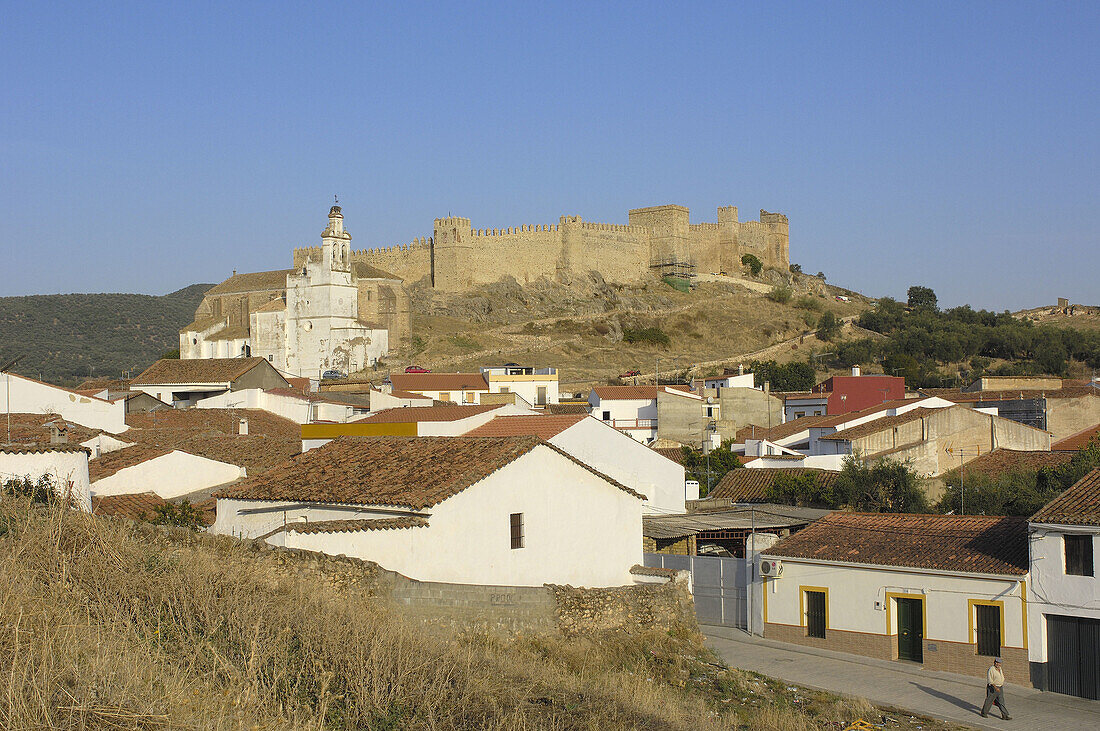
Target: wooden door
x,y
910,630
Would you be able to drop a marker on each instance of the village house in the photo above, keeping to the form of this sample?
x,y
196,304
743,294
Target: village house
x,y
65,465
634,410
22,395
184,383
509,511
444,420
459,388
1064,596
605,449
845,394
168,473
536,386
949,592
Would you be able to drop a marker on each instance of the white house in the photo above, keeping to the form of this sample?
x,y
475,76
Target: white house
x,y
604,448
184,383
1064,596
510,511
730,380
285,402
166,472
945,591
19,394
65,464
536,386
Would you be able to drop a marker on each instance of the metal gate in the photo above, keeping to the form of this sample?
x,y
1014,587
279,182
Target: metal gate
x,y
1073,656
718,585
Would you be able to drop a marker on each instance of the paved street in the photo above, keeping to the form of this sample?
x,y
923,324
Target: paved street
x,y
945,696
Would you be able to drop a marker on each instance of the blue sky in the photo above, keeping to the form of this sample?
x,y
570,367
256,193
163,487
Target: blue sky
x,y
955,145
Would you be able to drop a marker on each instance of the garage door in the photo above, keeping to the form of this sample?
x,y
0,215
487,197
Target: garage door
x,y
1073,656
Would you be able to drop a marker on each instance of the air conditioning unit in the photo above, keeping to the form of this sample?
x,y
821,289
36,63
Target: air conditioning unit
x,y
772,568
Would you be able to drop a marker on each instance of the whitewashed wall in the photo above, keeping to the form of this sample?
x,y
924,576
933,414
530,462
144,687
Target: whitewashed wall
x,y
32,397
853,592
624,459
104,443
171,475
1051,591
68,469
298,409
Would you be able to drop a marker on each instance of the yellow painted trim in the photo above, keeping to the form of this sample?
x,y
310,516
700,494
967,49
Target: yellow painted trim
x,y
332,431
972,620
802,604
1023,609
902,595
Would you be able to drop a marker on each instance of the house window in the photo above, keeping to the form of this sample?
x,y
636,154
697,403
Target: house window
x,y
444,395
515,523
988,625
1078,555
505,389
815,614
607,416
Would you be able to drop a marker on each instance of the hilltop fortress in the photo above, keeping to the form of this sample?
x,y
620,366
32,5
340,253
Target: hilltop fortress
x,y
658,240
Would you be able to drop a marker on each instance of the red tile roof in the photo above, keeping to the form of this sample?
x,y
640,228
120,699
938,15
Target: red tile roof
x,y
109,463
414,472
438,382
252,282
969,544
1004,461
1079,505
751,485
138,506
878,425
34,429
416,414
951,394
197,370
839,419
1075,441
42,448
676,454
543,427
351,526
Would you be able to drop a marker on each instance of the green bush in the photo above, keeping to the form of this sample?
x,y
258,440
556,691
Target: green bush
x,y
783,376
652,335
806,302
780,293
828,327
755,265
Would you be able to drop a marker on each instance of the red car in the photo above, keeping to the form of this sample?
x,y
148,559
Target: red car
x,y
629,374
416,369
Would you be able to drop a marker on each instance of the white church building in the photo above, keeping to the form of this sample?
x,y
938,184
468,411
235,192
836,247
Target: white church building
x,y
313,327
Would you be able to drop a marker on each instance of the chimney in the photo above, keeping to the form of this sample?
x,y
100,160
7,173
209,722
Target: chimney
x,y
740,369
242,428
58,434
855,370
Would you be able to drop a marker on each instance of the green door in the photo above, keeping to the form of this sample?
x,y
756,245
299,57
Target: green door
x,y
910,630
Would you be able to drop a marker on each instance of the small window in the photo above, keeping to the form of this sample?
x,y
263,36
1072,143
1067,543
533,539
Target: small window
x,y
515,521
505,389
989,629
444,395
815,614
1078,555
607,416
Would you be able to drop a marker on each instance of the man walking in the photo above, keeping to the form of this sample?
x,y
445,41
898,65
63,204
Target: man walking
x,y
994,690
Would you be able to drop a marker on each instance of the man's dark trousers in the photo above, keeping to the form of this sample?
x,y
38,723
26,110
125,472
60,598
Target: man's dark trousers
x,y
993,694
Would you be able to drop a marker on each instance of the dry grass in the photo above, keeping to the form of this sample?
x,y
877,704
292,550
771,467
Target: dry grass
x,y
103,627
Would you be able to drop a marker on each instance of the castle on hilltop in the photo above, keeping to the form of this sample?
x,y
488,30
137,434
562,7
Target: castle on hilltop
x,y
658,240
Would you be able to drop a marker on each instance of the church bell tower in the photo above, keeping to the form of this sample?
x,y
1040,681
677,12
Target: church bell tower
x,y
336,243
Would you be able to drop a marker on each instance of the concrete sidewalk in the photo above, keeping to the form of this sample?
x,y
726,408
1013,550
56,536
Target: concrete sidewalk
x,y
946,696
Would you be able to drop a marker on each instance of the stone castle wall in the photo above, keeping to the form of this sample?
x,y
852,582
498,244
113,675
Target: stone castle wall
x,y
458,256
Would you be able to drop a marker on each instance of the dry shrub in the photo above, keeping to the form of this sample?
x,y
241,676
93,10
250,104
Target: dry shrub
x,y
105,627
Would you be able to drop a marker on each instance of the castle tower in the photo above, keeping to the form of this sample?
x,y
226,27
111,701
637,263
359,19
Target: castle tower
x,y
336,243
729,243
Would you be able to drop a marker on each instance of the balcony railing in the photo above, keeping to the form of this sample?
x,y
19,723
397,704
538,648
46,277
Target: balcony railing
x,y
632,423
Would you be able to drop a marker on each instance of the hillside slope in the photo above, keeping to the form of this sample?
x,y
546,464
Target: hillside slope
x,y
64,338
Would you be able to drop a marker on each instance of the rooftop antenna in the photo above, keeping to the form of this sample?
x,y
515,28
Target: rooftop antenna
x,y
335,200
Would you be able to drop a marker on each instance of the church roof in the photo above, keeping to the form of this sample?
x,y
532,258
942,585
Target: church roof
x,y
274,305
366,271
252,282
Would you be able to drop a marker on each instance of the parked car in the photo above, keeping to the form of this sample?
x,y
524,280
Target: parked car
x,y
629,374
333,375
416,369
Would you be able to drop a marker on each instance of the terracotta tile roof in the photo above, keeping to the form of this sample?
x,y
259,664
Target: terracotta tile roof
x,y
212,433
959,397
838,419
138,506
414,472
543,427
407,394
410,414
1003,461
751,485
42,448
877,425
1079,505
252,282
439,382
969,543
276,305
34,429
635,392
196,370
351,526
1075,441
108,464
674,453
779,431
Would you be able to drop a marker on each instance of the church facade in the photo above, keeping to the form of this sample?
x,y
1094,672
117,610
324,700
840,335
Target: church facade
x,y
327,313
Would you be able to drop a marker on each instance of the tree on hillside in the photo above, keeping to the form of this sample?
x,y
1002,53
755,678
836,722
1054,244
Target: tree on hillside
x,y
754,264
922,298
795,376
881,486
828,327
722,460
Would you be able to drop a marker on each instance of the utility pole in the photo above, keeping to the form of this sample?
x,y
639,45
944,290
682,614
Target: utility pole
x,y
964,452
